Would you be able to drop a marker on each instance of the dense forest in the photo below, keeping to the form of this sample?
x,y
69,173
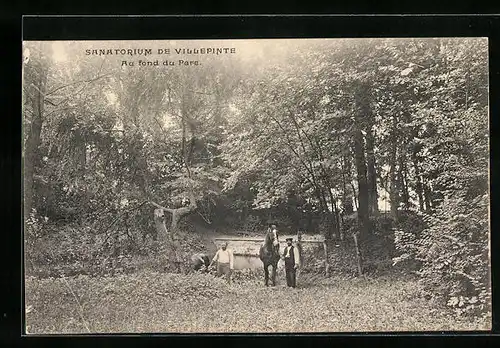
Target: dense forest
x,y
355,139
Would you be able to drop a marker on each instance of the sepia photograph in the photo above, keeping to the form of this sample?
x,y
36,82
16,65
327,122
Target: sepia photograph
x,y
256,186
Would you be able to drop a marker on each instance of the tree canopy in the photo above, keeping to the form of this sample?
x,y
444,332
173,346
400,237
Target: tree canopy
x,y
318,134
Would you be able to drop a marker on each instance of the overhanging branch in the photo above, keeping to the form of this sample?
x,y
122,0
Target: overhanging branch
x,y
75,83
171,211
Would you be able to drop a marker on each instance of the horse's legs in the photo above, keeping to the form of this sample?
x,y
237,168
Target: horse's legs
x,y
266,274
274,275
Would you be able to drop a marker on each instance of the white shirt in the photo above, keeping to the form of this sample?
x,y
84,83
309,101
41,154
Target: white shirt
x,y
224,256
295,253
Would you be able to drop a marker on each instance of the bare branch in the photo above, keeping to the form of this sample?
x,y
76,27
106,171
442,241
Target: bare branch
x,y
119,216
39,91
74,83
56,110
196,92
171,211
293,150
65,100
204,218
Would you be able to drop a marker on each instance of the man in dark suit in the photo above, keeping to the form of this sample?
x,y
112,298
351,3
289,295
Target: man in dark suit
x,y
292,262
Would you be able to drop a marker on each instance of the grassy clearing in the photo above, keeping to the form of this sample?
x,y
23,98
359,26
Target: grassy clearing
x,y
156,302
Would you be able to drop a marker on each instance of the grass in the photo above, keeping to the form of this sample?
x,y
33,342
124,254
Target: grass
x,y
156,302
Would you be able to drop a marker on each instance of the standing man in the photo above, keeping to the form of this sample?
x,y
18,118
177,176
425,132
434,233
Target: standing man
x,y
292,262
224,259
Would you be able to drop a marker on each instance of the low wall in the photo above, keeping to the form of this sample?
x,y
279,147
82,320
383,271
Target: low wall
x,y
340,257
246,250
247,262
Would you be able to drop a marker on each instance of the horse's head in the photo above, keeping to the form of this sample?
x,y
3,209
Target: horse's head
x,y
275,237
269,251
272,236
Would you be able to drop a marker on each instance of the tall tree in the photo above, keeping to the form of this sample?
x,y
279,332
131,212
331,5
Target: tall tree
x,y
36,70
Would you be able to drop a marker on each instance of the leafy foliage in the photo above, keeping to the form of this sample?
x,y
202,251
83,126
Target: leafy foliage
x,y
321,131
455,261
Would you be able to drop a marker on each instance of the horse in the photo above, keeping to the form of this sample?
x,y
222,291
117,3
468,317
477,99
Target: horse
x,y
269,254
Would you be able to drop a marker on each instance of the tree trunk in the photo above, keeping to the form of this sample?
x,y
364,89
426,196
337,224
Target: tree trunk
x,y
358,255
418,179
355,195
337,220
347,189
342,224
309,221
323,208
361,112
161,228
372,173
330,214
403,177
167,237
327,263
362,183
31,151
393,190
334,213
427,198
173,249
176,217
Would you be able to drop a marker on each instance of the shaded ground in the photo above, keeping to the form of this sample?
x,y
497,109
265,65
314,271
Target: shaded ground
x,y
155,302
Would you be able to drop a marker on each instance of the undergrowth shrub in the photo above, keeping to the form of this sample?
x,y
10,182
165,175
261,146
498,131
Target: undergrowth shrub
x,y
407,238
455,254
252,223
55,249
377,247
448,249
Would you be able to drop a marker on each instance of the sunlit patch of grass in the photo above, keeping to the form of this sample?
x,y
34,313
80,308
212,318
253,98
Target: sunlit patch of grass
x,y
157,302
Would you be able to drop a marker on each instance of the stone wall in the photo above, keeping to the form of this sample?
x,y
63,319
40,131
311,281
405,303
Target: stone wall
x,y
342,259
246,251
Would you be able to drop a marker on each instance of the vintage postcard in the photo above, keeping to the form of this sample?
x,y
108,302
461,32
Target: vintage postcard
x,y
256,186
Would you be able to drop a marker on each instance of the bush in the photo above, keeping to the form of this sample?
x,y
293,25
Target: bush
x,y
406,247
252,223
378,247
407,234
455,256
448,250
55,249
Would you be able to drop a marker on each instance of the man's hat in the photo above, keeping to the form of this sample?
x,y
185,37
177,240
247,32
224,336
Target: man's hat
x,y
289,239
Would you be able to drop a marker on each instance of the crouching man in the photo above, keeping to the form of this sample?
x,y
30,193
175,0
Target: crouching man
x,y
224,260
200,262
